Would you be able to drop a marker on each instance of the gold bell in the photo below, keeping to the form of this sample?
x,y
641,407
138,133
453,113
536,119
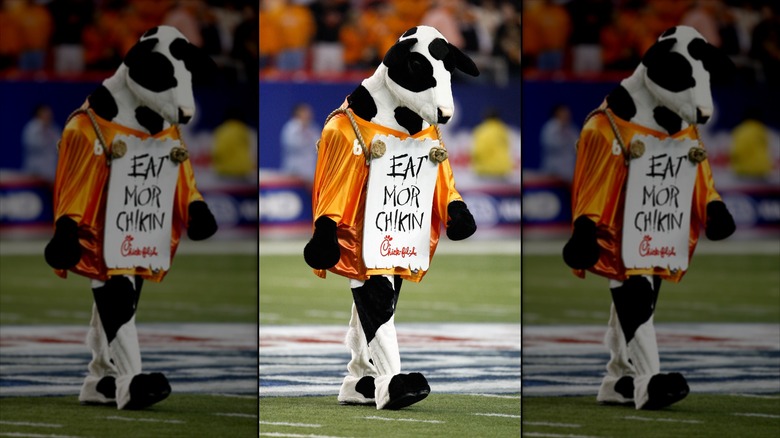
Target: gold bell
x,y
118,149
179,154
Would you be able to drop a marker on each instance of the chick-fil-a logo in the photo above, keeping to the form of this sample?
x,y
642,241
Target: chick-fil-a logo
x,y
128,250
387,250
647,250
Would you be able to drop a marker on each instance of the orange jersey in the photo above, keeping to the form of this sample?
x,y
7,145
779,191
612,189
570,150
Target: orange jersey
x,y
339,193
81,190
598,193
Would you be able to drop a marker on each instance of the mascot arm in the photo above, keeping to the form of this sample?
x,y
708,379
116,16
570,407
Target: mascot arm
x,y
709,209
190,206
595,176
449,206
337,183
75,182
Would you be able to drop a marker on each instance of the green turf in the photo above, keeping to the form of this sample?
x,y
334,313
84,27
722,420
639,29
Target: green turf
x,y
698,415
198,288
457,288
440,415
177,416
717,288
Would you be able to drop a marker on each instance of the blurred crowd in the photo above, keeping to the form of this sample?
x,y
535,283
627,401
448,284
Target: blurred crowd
x,y
76,36
334,36
592,36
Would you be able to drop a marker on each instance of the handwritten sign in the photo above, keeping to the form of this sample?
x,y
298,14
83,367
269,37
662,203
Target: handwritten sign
x,y
397,227
139,208
657,216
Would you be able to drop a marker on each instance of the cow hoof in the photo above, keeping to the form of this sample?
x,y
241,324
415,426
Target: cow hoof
x,y
665,389
146,390
406,390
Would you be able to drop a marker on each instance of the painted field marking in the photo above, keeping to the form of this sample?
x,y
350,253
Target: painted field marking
x,y
764,396
295,435
233,414
498,415
547,423
402,419
517,397
557,435
279,423
666,420
26,423
35,435
751,414
144,420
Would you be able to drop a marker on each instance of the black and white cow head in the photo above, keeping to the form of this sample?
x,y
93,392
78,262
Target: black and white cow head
x,y
412,88
152,88
670,89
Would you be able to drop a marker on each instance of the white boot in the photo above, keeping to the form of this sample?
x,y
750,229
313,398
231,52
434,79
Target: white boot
x,y
92,391
619,369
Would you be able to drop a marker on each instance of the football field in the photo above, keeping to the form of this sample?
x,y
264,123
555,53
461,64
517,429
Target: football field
x,y
720,327
198,326
459,327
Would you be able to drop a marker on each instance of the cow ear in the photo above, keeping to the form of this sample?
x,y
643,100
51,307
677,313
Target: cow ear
x,y
654,57
137,54
195,59
462,61
721,68
399,53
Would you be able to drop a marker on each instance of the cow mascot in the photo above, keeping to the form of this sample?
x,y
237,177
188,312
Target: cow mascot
x,y
382,189
123,190
642,190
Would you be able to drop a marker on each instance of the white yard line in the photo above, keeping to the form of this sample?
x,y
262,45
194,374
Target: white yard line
x,y
549,424
279,423
402,419
557,435
751,414
295,435
516,397
665,420
35,435
144,420
26,423
498,415
233,414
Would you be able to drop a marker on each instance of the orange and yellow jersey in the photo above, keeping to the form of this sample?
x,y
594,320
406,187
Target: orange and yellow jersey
x,y
598,193
339,193
81,191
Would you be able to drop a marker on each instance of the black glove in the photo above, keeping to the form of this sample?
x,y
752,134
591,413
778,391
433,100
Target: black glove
x,y
63,251
582,251
720,224
202,224
461,223
322,251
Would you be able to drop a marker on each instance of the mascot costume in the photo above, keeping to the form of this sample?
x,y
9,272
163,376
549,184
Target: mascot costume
x,y
123,190
642,190
382,189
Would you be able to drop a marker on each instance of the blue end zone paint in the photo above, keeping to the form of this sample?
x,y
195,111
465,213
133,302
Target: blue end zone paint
x,y
196,358
455,358
714,358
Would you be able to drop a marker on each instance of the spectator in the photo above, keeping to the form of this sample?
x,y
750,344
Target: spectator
x,y
71,17
507,41
552,23
295,25
299,139
766,43
559,139
750,155
232,155
36,27
327,51
246,48
185,16
11,42
491,156
39,138
444,17
588,19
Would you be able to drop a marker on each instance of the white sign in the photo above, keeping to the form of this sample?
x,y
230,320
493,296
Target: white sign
x,y
657,216
397,227
139,208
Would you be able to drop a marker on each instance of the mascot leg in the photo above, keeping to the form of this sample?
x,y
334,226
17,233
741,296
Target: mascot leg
x,y
634,303
375,302
100,384
618,385
116,301
358,386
